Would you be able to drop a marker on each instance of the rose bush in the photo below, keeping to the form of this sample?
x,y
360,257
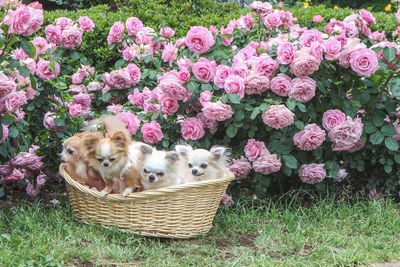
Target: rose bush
x,y
297,106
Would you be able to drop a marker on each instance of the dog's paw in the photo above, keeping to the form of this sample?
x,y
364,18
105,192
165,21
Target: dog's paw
x,y
126,192
103,193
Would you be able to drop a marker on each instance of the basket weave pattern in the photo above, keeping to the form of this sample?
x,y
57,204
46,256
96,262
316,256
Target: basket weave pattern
x,y
179,211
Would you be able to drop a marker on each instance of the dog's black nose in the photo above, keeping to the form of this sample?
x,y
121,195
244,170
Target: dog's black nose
x,y
194,171
59,155
106,164
152,177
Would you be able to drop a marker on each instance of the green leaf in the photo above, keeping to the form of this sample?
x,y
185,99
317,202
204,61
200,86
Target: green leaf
x,y
13,132
57,55
394,85
23,71
239,115
264,106
397,158
119,63
388,168
369,128
234,98
290,161
28,48
1,192
165,143
391,144
376,138
301,107
299,125
291,104
255,112
75,55
59,122
378,118
193,86
231,131
388,130
389,53
206,87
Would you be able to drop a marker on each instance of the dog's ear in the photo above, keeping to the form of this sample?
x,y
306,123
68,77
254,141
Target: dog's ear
x,y
171,156
218,151
90,142
183,150
120,139
146,149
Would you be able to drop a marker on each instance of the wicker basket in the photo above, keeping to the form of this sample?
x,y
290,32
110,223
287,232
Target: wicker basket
x,y
179,211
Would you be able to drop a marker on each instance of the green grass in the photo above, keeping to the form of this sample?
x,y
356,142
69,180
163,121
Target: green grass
x,y
326,233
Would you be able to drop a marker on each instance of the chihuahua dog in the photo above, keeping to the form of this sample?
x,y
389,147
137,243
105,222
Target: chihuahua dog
x,y
76,164
110,156
106,126
158,168
201,164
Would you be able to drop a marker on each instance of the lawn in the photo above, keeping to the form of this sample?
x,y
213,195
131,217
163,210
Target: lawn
x,y
279,233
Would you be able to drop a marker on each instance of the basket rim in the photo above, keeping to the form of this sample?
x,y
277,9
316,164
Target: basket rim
x,y
144,194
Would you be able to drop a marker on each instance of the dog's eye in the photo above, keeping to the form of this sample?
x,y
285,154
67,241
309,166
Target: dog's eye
x,y
99,159
70,151
190,165
204,165
112,159
145,171
160,174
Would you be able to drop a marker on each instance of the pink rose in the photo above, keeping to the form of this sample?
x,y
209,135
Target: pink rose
x,y
332,48
86,24
44,71
267,164
116,33
304,64
278,116
226,201
41,180
75,109
6,169
273,20
16,175
255,149
256,84
118,79
199,39
234,85
281,84
204,70
151,132
48,121
335,27
226,40
28,160
94,86
53,34
364,62
367,16
310,36
31,190
133,25
76,88
398,15
240,69
205,96
169,105
63,22
310,138
132,121
134,72
265,65
71,37
129,53
332,118
168,32
24,20
312,173
222,72
173,88
351,46
169,54
286,52
5,133
341,174
302,89
40,44
192,129
240,168
78,76
346,134
7,85
217,111
83,99
318,19
11,102
183,75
